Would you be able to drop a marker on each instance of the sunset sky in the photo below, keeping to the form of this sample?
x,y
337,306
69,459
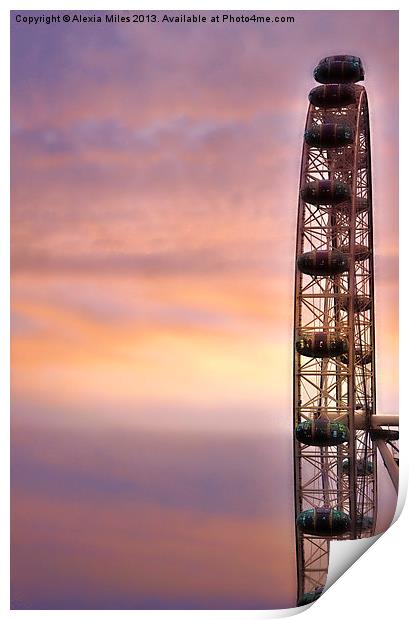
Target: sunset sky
x,y
154,191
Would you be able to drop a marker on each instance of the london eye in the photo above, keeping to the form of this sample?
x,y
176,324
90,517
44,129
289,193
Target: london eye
x,y
337,432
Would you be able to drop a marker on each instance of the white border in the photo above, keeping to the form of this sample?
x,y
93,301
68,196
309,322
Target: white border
x,y
377,583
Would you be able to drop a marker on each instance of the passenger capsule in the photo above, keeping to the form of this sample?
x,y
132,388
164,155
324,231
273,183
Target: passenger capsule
x,y
322,263
363,410
361,251
364,523
310,597
332,96
329,135
325,192
323,522
339,69
363,468
384,433
362,160
341,57
361,204
362,358
321,432
321,344
361,303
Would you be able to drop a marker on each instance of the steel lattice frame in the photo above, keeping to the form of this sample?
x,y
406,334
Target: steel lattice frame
x,y
337,388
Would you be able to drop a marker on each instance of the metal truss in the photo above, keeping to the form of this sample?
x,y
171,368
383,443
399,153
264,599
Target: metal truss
x,y
339,388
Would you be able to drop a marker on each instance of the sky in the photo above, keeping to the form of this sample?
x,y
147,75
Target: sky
x,y
154,191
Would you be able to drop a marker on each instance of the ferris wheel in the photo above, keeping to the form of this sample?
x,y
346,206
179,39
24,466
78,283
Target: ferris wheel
x,y
337,432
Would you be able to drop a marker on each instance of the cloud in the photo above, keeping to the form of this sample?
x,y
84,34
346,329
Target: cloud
x,y
145,520
226,474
